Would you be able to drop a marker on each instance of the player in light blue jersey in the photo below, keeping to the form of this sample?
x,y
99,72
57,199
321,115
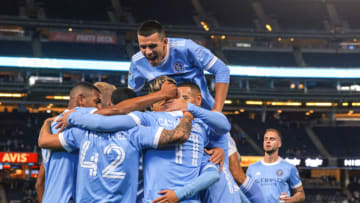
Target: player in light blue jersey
x,y
168,120
60,166
108,162
252,191
274,175
182,59
226,189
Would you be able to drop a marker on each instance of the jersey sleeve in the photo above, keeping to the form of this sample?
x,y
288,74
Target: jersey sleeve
x,y
205,163
215,120
232,146
295,180
70,139
145,137
135,80
97,122
141,118
219,141
208,176
203,58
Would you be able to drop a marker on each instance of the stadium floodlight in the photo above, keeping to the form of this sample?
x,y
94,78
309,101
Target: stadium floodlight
x,y
319,104
58,97
253,102
13,95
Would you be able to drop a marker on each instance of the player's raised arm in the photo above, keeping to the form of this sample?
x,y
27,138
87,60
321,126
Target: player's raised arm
x,y
178,135
203,58
96,122
168,91
46,139
216,120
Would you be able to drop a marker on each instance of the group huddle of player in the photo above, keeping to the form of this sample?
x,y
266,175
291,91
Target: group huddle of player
x,y
170,145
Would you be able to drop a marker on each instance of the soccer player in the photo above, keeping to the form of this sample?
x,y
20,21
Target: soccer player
x,y
60,166
226,189
274,175
172,160
108,162
248,187
106,91
182,59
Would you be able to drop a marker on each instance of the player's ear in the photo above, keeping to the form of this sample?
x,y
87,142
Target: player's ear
x,y
198,99
80,100
165,41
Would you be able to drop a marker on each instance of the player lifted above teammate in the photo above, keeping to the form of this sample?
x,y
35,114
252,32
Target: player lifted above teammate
x,y
182,59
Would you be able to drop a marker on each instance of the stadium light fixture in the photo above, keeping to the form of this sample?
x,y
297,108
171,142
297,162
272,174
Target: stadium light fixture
x,y
355,104
249,102
268,27
12,95
277,103
319,104
58,97
228,101
345,104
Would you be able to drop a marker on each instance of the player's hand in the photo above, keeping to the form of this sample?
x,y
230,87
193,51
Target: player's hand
x,y
51,119
169,196
176,105
169,90
217,156
63,120
284,198
188,115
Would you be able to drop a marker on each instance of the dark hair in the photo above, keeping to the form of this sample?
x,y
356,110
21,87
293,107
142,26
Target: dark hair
x,y
122,93
150,27
193,86
274,130
82,87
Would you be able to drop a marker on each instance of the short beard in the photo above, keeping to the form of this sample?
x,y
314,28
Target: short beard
x,y
270,152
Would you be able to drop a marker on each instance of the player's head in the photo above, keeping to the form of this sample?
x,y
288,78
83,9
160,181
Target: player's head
x,y
152,41
154,86
121,94
189,92
272,141
84,95
106,91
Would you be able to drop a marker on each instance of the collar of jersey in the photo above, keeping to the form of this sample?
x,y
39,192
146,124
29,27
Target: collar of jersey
x,y
176,113
163,61
271,164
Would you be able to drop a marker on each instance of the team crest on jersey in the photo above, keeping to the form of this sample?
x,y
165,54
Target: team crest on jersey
x,y
279,172
178,67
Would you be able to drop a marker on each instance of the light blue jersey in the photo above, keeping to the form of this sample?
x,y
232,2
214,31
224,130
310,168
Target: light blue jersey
x,y
60,174
108,162
172,167
185,61
226,189
274,178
